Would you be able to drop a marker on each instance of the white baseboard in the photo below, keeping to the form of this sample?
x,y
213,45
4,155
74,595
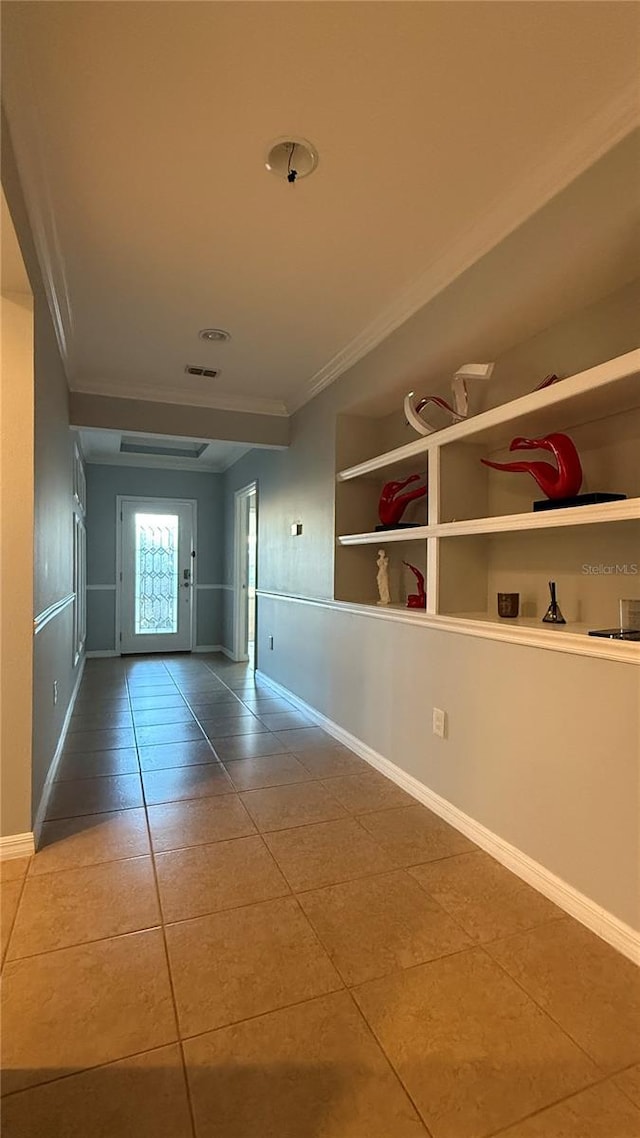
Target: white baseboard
x,y
17,845
51,774
601,922
101,655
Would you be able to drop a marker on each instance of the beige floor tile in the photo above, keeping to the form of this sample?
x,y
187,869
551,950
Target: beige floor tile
x,y
486,899
177,783
303,1072
108,739
305,738
89,840
9,897
283,807
599,1112
284,720
474,1052
366,792
78,905
170,755
82,1006
585,985
312,856
100,720
331,761
375,925
244,962
413,834
198,821
228,728
205,879
249,746
261,706
96,763
94,796
144,1095
13,868
270,770
629,1082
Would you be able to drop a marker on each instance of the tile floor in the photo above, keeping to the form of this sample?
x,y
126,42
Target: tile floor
x,y
235,928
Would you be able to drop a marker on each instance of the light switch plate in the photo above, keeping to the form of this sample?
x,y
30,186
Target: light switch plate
x,y
439,722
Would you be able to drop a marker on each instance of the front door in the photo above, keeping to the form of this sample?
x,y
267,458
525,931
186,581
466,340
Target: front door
x,y
157,575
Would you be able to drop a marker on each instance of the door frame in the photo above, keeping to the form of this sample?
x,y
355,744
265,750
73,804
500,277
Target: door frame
x,y
240,529
120,500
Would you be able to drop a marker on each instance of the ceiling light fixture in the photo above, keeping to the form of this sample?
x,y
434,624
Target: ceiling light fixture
x,y
292,159
214,335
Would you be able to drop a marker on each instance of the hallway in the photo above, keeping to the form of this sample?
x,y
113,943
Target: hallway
x,y
236,928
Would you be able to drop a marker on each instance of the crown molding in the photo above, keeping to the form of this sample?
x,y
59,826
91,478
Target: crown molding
x,y
29,150
600,134
215,401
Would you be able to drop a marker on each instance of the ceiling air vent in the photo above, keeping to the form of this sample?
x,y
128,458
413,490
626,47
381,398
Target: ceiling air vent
x,y
208,372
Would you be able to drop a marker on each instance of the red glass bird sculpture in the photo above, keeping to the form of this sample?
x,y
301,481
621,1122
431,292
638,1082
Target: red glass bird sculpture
x,y
563,481
393,502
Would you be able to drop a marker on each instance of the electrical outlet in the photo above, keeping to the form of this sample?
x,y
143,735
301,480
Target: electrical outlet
x,y
271,643
439,722
55,691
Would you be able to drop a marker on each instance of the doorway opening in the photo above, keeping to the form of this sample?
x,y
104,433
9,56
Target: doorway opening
x,y
156,555
245,574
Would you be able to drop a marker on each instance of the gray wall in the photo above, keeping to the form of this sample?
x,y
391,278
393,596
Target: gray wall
x,y
53,498
104,483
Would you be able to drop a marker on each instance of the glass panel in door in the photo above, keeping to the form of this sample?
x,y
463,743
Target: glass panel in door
x,y
156,592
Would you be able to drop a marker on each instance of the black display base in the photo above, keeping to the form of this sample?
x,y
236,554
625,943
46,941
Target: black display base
x,y
579,500
398,525
617,633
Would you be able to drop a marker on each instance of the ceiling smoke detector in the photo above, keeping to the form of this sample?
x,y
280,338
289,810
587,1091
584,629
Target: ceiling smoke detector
x,y
214,335
208,372
292,159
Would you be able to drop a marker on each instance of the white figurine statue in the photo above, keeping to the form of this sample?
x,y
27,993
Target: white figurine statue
x,y
383,578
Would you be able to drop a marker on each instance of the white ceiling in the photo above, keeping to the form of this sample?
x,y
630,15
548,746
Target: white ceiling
x,y
105,447
141,129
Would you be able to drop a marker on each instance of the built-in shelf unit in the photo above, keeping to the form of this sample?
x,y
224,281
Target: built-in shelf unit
x,y
476,532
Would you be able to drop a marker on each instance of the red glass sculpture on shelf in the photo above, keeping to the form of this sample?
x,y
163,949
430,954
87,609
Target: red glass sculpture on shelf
x,y
416,600
393,502
557,482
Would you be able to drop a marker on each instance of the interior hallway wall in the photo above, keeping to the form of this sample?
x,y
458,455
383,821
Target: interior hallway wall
x,y
104,484
530,754
53,653
16,553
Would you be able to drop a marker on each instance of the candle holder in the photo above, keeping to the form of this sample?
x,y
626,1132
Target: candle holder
x,y
508,605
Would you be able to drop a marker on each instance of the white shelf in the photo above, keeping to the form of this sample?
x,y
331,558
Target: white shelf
x,y
611,387
383,537
627,510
